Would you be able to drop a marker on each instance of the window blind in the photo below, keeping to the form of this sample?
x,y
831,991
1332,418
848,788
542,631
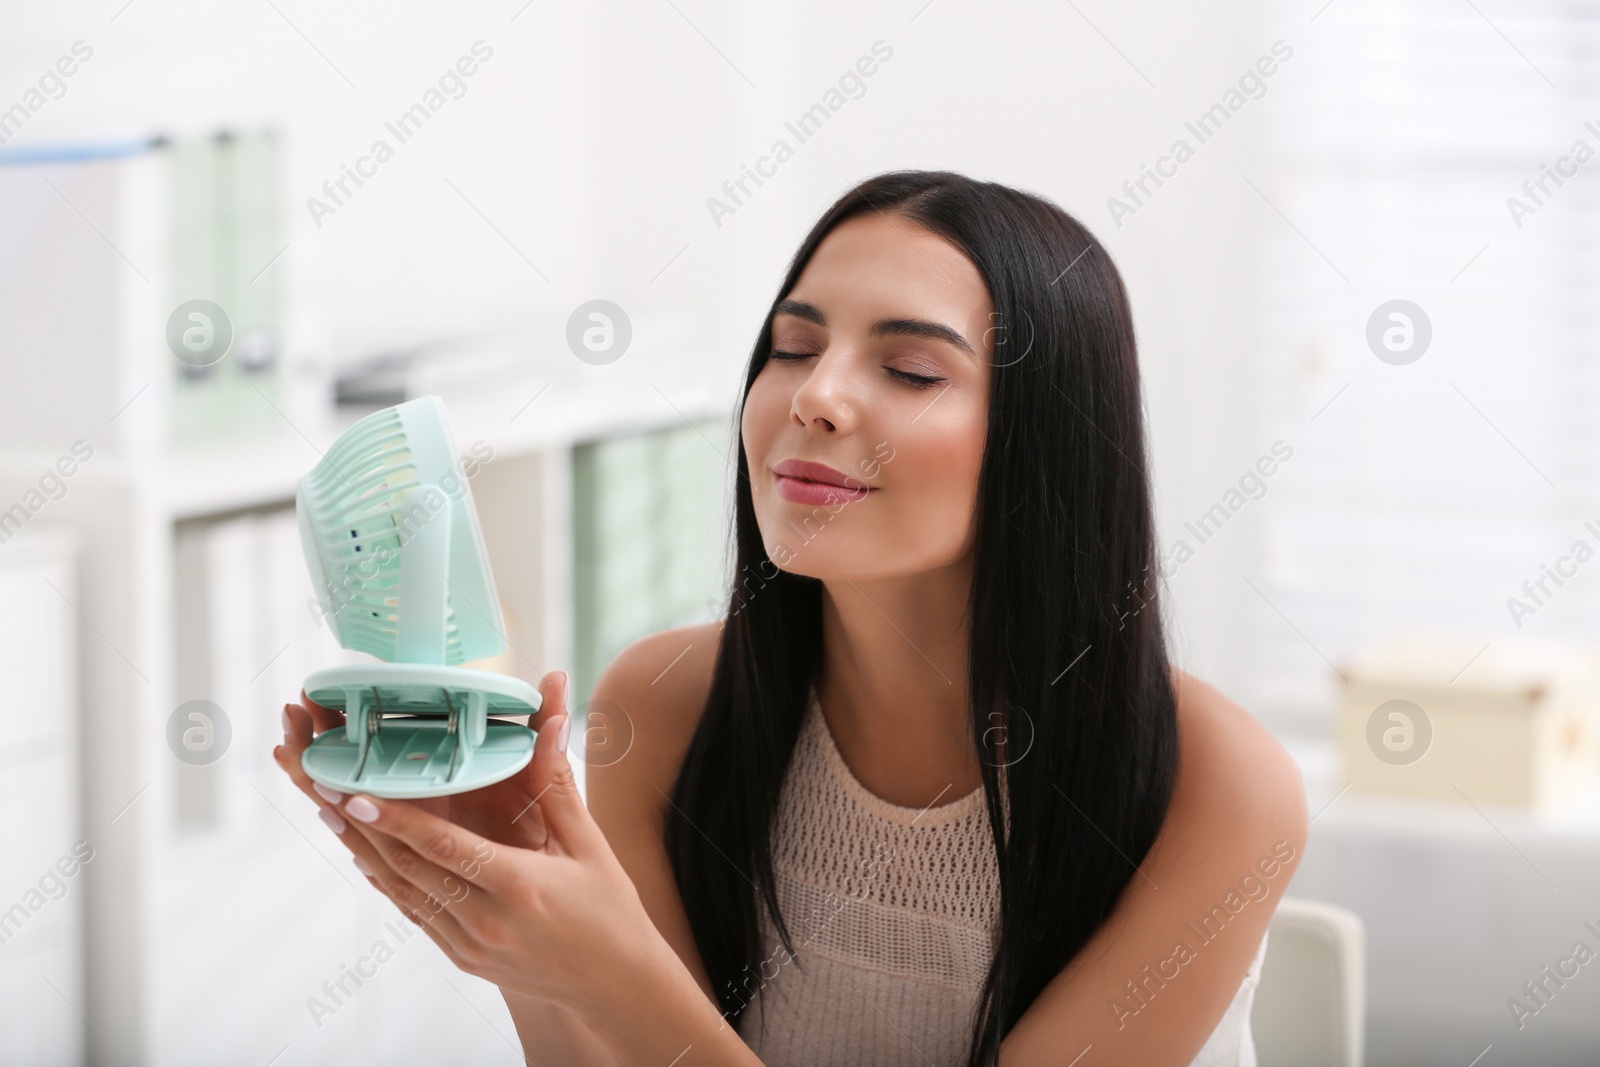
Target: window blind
x,y
1401,158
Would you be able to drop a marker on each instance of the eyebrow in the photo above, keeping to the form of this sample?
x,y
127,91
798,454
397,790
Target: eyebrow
x,y
883,327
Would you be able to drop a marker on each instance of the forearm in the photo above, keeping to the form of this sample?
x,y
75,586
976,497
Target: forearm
x,y
655,1013
553,1034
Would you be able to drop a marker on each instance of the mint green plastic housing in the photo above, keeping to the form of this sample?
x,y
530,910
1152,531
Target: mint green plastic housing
x,y
396,555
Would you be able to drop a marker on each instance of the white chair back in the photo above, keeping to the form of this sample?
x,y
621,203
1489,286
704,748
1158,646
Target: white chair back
x,y
1310,1005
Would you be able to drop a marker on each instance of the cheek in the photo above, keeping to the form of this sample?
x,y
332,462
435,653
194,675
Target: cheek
x,y
937,465
952,445
763,411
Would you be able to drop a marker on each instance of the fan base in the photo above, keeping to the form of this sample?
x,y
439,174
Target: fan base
x,y
426,729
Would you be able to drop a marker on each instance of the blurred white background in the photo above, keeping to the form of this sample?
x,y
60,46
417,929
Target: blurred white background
x,y
1394,153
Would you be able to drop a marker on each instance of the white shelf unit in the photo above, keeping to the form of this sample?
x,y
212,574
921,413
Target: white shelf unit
x,y
46,860
206,944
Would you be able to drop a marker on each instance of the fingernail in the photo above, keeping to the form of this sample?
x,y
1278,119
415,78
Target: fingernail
x,y
362,867
563,680
286,722
332,796
561,738
361,808
331,817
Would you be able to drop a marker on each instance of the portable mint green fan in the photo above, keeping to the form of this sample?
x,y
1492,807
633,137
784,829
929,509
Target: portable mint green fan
x,y
397,557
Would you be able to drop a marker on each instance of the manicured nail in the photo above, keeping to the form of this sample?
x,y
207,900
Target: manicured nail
x,y
361,808
561,738
331,817
286,721
362,867
332,796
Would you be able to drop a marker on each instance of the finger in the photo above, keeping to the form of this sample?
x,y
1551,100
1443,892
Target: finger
x,y
287,755
423,848
431,909
368,859
323,718
552,704
440,926
567,821
444,943
298,725
552,699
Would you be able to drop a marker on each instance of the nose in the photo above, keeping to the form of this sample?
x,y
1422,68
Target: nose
x,y
827,399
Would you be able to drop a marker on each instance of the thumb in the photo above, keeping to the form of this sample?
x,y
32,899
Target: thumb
x,y
555,788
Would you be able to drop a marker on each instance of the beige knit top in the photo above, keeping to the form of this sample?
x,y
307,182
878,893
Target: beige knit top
x,y
894,916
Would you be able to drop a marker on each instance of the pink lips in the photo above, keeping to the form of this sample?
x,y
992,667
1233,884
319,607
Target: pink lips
x,y
800,482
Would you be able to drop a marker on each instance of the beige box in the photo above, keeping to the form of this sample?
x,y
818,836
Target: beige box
x,y
1516,722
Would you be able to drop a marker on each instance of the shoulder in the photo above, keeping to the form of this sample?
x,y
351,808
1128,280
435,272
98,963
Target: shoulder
x,y
1199,904
645,707
1233,774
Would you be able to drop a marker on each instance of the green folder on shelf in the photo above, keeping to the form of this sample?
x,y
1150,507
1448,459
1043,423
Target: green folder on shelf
x,y
649,524
226,237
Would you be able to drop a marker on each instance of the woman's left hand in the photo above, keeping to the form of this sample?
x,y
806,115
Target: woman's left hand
x,y
557,921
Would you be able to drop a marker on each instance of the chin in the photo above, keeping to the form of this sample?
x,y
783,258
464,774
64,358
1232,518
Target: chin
x,y
839,558
825,553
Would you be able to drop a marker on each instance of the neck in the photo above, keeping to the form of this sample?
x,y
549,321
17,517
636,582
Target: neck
x,y
893,684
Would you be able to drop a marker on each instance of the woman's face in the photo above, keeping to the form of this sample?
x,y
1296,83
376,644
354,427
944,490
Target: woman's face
x,y
879,370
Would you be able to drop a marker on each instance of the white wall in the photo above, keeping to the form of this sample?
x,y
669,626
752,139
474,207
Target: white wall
x,y
593,137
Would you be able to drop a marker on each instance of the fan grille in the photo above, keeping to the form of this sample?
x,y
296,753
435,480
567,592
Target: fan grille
x,y
365,505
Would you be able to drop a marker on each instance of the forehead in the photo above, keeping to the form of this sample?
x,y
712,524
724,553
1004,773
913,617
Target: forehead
x,y
879,264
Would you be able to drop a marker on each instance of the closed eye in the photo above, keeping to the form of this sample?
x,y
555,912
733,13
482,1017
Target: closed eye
x,y
920,381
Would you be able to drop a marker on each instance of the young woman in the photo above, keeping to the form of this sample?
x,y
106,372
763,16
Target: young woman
x,y
931,793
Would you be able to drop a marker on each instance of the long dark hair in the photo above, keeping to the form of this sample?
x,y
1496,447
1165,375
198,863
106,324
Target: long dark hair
x,y
1072,702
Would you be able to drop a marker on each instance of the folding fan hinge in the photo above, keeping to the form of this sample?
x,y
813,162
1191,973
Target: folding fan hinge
x,y
465,727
